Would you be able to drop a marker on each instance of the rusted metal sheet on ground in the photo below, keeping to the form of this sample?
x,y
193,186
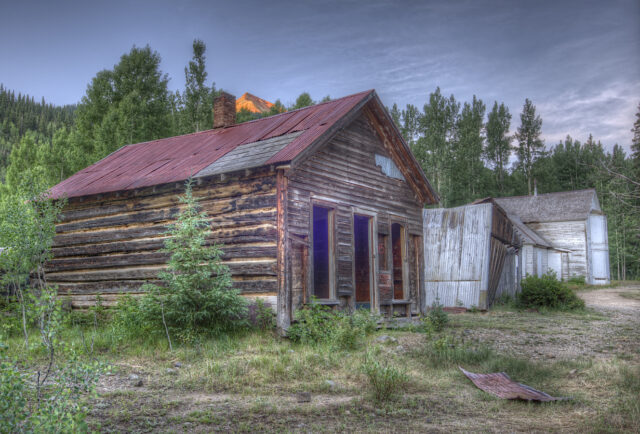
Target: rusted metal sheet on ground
x,y
499,384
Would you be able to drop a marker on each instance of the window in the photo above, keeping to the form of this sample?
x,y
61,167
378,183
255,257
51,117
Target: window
x,y
323,268
398,255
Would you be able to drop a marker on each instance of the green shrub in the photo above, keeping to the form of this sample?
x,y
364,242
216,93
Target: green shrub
x,y
13,402
436,319
262,316
60,407
547,292
316,323
384,378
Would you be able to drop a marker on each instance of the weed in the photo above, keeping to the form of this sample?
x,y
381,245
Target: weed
x,y
436,319
316,324
383,377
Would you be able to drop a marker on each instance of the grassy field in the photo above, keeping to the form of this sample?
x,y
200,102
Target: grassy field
x,y
258,382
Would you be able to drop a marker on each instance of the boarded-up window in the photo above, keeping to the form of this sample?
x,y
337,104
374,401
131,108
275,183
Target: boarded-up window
x,y
397,248
322,240
383,262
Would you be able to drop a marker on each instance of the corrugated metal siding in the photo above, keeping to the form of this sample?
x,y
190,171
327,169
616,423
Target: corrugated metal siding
x,y
456,253
176,158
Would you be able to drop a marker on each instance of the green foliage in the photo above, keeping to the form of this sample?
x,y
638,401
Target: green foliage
x,y
127,104
57,408
316,324
13,401
547,292
198,97
498,146
433,149
195,291
530,146
577,280
304,100
436,318
384,378
265,317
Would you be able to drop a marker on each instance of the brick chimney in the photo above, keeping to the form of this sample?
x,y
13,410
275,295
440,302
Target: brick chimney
x,y
224,110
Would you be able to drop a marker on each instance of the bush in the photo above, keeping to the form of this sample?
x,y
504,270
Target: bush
x,y
547,292
384,379
316,323
58,409
436,319
262,316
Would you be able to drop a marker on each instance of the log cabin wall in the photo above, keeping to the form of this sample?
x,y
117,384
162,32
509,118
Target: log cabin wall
x,y
343,175
109,244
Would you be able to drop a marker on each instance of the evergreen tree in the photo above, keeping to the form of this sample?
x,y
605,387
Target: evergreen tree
x,y
530,146
498,147
198,97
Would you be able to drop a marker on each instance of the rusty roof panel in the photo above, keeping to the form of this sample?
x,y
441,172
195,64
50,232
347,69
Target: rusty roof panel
x,y
499,384
177,158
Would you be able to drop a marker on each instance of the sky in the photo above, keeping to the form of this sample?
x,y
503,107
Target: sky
x,y
577,60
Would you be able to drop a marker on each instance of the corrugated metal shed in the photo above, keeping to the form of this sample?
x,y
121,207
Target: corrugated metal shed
x,y
177,158
465,250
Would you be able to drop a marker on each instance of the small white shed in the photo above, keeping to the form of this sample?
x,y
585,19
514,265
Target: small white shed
x,y
573,224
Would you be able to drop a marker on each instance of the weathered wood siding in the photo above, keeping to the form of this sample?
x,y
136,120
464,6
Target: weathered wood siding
x,y
509,283
569,235
109,244
344,175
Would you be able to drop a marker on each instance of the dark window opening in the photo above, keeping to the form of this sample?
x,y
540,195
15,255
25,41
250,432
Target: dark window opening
x,y
397,239
321,248
362,257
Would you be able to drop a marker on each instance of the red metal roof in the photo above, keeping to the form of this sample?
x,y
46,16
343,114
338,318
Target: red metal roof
x,y
177,158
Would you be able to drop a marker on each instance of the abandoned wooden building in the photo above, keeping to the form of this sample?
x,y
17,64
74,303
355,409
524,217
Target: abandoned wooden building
x,y
574,228
324,201
476,253
470,255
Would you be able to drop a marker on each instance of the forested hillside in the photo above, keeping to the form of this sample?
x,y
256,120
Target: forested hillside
x,y
467,150
20,114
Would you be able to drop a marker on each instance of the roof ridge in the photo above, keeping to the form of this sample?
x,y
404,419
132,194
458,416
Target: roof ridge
x,y
592,189
305,108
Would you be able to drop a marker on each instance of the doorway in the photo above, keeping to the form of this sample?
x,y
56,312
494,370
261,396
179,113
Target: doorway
x,y
363,262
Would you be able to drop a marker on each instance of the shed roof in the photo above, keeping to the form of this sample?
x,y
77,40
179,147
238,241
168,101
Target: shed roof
x,y
175,159
551,207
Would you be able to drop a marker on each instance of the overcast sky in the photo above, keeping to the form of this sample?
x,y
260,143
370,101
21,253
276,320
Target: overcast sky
x,y
578,61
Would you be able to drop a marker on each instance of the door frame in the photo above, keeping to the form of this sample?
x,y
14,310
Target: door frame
x,y
373,257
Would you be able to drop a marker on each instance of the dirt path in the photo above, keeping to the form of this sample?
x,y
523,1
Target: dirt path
x,y
611,299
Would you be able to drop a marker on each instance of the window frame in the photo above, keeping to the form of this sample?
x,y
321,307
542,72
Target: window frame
x,y
404,250
331,232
